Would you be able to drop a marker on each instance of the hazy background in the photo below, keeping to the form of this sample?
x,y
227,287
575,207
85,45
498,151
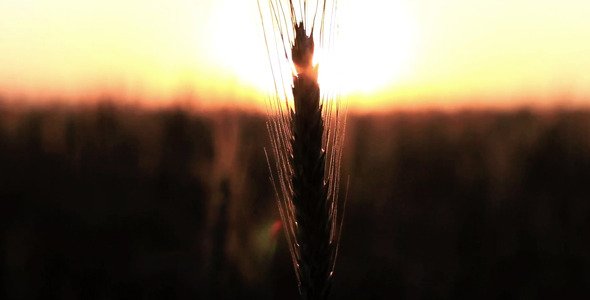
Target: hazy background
x,y
113,203
132,140
420,53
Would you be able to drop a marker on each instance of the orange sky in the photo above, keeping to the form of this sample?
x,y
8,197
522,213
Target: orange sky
x,y
400,53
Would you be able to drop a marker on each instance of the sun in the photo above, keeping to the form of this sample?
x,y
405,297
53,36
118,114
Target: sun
x,y
374,46
236,44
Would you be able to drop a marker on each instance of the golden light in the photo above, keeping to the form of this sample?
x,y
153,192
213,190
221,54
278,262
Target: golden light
x,y
385,54
373,48
236,43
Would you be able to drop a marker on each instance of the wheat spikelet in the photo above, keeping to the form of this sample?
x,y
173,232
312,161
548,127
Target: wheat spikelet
x,y
307,131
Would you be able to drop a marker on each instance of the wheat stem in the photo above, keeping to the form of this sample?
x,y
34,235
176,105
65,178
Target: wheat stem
x,y
312,210
306,141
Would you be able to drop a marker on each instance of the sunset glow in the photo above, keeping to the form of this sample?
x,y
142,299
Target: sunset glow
x,y
377,40
390,54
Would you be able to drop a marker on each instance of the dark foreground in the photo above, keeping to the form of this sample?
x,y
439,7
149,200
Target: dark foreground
x,y
119,204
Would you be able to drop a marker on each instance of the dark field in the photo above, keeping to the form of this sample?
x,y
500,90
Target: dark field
x,y
113,203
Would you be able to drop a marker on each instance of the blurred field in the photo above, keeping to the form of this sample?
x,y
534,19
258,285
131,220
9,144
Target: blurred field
x,y
117,203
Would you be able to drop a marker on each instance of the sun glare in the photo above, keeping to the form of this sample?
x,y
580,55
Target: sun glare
x,y
236,44
370,51
384,53
374,46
